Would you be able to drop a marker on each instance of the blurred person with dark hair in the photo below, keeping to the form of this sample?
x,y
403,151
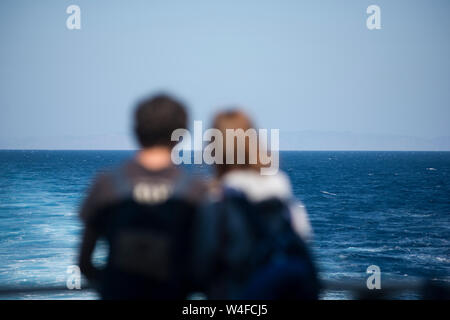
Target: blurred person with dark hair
x,y
144,209
252,234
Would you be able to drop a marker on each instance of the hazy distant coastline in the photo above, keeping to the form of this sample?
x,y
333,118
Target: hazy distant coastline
x,y
289,140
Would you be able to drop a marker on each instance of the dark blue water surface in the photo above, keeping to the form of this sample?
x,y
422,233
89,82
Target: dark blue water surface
x,y
390,209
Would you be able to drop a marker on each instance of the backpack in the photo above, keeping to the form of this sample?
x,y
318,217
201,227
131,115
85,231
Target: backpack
x,y
149,243
279,264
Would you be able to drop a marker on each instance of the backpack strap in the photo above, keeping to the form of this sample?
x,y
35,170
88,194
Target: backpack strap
x,y
249,211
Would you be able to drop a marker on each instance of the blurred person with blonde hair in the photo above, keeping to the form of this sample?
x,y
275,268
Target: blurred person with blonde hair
x,y
251,234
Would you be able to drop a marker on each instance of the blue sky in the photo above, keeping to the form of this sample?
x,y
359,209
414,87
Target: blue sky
x,y
309,68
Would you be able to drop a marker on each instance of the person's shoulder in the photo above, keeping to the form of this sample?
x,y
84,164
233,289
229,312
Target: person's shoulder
x,y
189,187
102,191
259,187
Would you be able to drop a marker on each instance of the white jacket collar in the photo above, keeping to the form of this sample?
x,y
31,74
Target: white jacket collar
x,y
259,187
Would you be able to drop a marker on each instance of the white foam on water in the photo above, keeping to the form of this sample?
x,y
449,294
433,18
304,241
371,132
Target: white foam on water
x,y
443,259
365,249
329,193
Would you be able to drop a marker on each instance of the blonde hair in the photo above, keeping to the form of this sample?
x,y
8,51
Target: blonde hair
x,y
235,119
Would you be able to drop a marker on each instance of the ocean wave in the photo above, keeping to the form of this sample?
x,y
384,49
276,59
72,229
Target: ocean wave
x,y
329,193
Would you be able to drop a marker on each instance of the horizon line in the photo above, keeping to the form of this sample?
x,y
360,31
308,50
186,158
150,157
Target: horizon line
x,y
298,150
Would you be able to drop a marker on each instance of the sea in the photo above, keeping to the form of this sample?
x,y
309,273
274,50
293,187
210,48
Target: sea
x,y
388,209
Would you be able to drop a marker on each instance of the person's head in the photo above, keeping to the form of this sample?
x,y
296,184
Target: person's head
x,y
236,119
155,120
